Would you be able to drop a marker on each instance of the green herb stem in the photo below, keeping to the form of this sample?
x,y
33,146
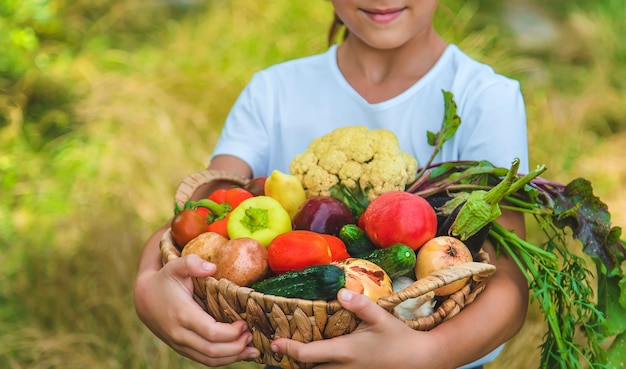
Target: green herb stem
x,y
527,204
525,263
562,297
509,236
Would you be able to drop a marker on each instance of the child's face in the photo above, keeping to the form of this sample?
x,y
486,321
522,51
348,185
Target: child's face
x,y
386,24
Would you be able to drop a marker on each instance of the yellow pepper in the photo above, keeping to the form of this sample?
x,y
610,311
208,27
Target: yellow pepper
x,y
287,190
260,217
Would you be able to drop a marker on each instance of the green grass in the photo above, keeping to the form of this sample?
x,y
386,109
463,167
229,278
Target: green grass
x,y
128,98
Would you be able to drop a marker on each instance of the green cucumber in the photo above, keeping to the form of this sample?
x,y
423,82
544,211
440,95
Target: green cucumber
x,y
395,260
356,240
317,282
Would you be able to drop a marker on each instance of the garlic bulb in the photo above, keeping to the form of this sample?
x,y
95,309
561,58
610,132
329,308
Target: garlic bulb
x,y
416,307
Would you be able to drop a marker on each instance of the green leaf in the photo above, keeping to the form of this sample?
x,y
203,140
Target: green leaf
x,y
449,126
588,217
470,170
432,137
616,354
611,289
451,122
622,293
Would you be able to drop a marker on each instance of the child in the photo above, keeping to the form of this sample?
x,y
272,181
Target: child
x,y
388,72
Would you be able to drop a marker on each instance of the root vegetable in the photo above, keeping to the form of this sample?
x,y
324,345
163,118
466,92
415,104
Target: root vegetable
x,y
205,245
241,260
365,277
416,307
439,253
323,215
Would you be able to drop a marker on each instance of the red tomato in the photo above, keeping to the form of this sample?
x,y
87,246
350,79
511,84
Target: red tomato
x,y
399,217
187,225
338,250
298,249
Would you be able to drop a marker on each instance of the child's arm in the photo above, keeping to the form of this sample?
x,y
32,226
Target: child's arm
x,y
164,302
381,340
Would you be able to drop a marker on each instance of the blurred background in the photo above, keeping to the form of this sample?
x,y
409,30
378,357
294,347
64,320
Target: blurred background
x,y
105,105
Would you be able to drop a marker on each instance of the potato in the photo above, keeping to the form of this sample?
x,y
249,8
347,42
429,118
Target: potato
x,y
242,261
206,245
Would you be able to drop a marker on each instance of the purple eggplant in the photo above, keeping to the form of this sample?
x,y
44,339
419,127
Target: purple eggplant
x,y
323,215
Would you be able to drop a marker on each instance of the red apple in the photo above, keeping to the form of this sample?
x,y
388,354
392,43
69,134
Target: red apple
x,y
439,253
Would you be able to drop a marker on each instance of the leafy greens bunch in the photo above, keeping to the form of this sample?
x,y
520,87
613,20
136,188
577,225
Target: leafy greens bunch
x,y
560,280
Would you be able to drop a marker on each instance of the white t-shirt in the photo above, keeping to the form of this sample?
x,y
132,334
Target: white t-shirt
x,y
287,105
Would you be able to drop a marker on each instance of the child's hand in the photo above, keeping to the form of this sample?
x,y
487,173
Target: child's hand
x,y
380,341
164,302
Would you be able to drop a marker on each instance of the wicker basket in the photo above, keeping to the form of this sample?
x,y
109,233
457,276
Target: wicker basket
x,y
270,317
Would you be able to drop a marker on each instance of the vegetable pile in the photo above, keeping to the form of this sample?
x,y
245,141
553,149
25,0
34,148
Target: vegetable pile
x,y
303,246
337,220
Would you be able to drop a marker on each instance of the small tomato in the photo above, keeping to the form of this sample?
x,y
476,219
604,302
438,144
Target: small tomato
x,y
187,225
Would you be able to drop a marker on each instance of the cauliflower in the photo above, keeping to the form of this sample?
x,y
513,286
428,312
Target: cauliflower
x,y
369,161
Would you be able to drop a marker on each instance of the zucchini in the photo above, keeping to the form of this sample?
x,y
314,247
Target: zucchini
x,y
317,282
395,260
356,240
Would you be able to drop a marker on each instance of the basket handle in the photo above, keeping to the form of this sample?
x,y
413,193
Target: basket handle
x,y
435,280
200,184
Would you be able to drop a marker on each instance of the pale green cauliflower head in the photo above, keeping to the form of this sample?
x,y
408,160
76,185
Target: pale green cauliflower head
x,y
356,157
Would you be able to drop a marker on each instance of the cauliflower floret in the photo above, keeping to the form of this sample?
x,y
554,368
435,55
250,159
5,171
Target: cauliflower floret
x,y
357,142
386,173
317,181
388,145
332,160
350,173
305,160
358,158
